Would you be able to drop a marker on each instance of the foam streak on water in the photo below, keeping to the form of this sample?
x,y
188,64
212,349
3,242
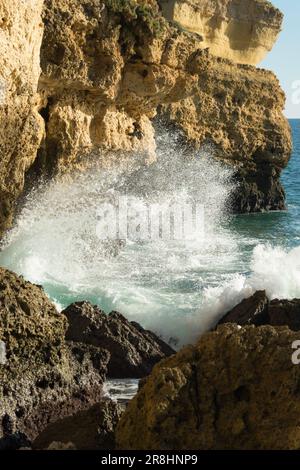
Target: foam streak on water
x,y
121,390
176,288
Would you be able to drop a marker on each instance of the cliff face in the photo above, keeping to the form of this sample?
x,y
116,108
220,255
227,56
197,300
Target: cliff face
x,y
238,109
236,389
107,67
103,78
233,29
21,126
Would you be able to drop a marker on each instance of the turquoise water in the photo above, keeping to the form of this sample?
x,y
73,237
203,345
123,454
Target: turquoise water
x,y
277,228
178,289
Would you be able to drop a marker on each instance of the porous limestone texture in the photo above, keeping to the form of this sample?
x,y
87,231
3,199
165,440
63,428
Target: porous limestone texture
x,y
237,388
21,126
104,69
53,365
239,30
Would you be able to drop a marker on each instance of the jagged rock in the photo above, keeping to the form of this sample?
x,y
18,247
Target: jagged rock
x,y
258,156
92,429
285,312
233,29
107,67
133,350
251,311
236,389
44,378
169,69
258,310
29,322
55,369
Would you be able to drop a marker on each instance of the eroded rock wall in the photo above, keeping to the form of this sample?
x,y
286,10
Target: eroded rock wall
x,y
238,109
21,126
103,78
239,30
107,68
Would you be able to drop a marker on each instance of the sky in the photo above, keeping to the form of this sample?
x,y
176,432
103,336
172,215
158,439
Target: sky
x,y
284,59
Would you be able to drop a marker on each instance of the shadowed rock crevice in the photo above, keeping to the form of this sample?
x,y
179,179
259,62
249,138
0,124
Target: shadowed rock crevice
x,y
92,429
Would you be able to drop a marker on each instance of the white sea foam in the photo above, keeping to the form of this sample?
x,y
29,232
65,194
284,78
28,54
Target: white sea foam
x,y
273,269
177,288
121,390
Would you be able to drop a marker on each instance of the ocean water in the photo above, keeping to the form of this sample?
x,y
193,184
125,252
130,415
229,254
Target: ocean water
x,y
179,289
121,390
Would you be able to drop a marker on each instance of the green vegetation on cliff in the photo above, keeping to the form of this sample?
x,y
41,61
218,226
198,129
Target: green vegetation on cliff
x,y
142,15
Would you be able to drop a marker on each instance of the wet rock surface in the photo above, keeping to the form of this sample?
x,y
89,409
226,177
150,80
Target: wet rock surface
x,y
258,310
285,312
133,350
251,311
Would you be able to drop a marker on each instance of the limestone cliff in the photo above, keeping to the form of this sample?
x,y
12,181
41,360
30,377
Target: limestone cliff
x,y
243,31
107,68
21,126
238,109
236,389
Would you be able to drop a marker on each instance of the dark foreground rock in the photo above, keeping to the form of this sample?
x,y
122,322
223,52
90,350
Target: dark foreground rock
x,y
236,389
258,193
92,429
34,393
133,350
251,311
42,377
258,310
285,312
51,370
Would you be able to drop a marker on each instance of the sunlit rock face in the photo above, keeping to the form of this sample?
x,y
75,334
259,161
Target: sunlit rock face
x,y
21,126
85,78
239,30
235,389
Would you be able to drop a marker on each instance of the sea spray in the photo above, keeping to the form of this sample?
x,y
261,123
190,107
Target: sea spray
x,y
156,282
273,269
177,288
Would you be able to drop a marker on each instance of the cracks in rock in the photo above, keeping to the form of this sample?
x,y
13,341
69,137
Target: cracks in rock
x,y
46,154
137,132
45,112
